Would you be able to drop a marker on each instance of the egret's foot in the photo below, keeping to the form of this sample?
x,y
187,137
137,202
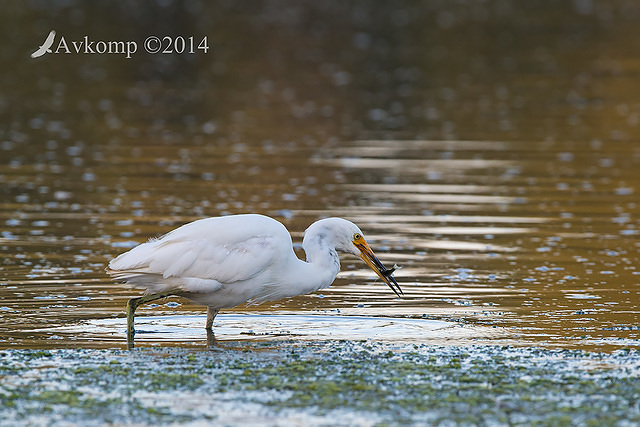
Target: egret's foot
x,y
211,339
211,314
132,305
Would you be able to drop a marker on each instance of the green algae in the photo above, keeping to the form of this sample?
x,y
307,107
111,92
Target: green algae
x,y
375,383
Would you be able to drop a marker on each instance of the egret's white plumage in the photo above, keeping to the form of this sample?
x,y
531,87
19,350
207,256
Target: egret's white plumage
x,y
225,261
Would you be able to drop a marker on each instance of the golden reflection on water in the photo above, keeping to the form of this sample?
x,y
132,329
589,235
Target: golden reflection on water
x,y
492,151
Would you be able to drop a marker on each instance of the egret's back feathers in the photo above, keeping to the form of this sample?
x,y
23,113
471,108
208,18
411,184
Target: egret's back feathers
x,y
201,256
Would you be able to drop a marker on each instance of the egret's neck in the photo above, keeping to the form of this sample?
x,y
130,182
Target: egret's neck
x,y
320,253
320,269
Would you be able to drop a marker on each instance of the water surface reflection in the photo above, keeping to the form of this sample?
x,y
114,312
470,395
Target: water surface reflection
x,y
490,149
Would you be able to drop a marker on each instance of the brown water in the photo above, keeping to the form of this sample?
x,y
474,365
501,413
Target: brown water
x,y
490,148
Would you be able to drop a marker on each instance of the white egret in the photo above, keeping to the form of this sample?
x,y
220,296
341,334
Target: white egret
x,y
222,262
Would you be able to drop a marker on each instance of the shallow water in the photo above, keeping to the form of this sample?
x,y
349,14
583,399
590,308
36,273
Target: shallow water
x,y
490,149
188,331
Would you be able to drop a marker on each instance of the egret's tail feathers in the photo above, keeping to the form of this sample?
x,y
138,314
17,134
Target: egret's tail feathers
x,y
156,282
152,282
135,259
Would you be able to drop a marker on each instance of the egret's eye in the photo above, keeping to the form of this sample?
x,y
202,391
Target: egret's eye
x,y
357,237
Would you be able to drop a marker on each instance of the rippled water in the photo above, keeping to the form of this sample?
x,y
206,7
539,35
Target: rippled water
x,y
490,149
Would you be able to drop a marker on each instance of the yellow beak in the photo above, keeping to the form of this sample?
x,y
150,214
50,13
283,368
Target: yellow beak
x,y
372,261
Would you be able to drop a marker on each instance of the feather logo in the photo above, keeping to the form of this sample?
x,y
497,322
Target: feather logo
x,y
46,46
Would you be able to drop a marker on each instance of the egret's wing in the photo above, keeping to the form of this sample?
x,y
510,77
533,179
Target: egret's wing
x,y
204,259
196,257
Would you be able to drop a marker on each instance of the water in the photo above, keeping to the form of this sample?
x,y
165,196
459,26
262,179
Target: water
x,y
490,149
163,330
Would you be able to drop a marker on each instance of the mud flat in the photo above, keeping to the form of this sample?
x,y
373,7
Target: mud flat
x,y
319,382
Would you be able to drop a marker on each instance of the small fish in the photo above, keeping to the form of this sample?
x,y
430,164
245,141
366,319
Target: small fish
x,y
389,271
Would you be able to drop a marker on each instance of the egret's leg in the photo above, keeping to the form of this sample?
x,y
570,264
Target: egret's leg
x,y
211,314
132,304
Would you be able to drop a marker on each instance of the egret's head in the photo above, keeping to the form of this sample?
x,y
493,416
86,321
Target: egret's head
x,y
345,236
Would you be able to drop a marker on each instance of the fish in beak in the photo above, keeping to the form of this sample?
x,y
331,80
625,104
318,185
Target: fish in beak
x,y
372,261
